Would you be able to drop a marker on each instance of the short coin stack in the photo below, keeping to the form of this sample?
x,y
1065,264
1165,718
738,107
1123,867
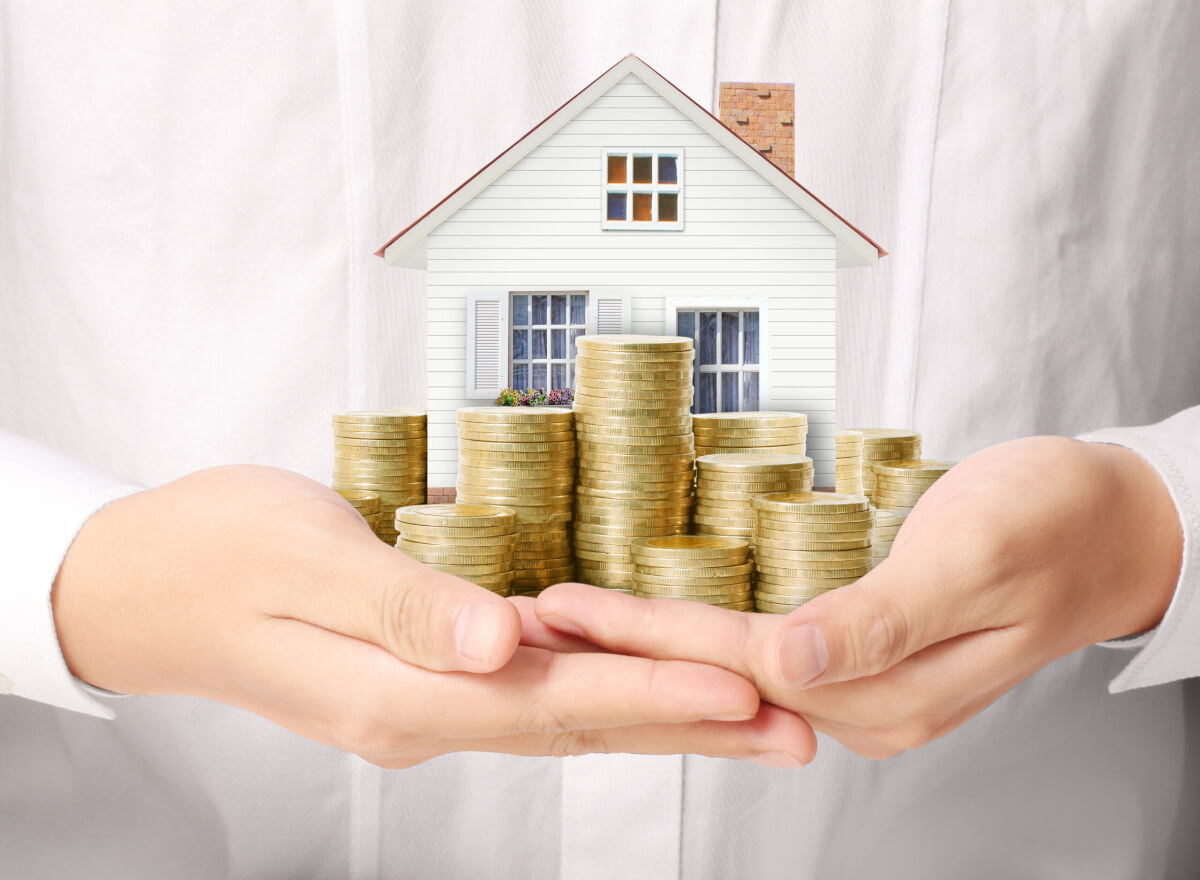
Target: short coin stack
x,y
726,484
523,457
887,524
366,503
885,444
900,484
701,568
633,427
808,543
473,541
848,471
385,453
750,432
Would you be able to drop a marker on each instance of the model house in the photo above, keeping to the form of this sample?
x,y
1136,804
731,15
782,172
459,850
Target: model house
x,y
632,209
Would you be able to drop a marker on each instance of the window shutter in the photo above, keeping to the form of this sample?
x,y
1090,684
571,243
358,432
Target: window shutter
x,y
487,351
609,313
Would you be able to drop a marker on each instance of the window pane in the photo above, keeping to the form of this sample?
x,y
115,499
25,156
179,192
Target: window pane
x,y
578,308
520,315
558,344
750,339
571,371
539,377
750,391
729,392
575,334
668,207
667,173
539,343
729,337
520,377
539,309
616,169
707,401
558,309
707,354
616,206
641,206
520,345
685,324
643,169
558,376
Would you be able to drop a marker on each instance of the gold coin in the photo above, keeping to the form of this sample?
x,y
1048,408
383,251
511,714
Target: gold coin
x,y
462,515
360,498
776,572
462,561
793,560
702,569
399,414
692,547
810,502
565,443
504,542
689,586
633,342
519,414
810,532
674,423
672,375
786,585
752,463
704,448
702,426
753,419
489,531
805,543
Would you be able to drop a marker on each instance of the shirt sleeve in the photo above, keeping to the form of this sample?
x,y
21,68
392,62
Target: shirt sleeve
x,y
47,497
1171,650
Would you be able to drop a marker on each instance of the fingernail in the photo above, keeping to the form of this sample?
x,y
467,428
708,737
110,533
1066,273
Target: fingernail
x,y
477,630
566,626
735,716
803,655
780,760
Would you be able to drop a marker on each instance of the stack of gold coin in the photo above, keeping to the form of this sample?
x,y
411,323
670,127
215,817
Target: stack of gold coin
x,y
848,469
900,484
806,544
384,453
633,430
885,444
887,524
702,568
366,503
726,484
523,457
750,432
473,541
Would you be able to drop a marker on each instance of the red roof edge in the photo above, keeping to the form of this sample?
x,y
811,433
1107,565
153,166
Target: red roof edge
x,y
379,253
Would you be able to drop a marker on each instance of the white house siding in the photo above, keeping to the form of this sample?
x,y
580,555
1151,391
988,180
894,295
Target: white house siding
x,y
538,227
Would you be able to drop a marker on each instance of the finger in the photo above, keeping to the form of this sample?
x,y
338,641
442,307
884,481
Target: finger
x,y
358,697
775,738
536,634
423,616
664,629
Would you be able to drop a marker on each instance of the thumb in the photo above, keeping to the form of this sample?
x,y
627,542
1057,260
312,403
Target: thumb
x,y
852,632
432,619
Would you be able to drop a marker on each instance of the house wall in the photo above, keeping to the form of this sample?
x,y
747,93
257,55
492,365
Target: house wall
x,y
538,226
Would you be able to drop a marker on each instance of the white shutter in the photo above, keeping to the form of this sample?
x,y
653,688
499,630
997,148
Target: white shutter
x,y
609,313
487,345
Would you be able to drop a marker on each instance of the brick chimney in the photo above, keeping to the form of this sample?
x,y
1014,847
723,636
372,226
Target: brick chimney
x,y
763,114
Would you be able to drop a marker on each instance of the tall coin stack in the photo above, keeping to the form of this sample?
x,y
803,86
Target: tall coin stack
x,y
473,541
701,568
384,453
750,432
885,444
806,544
633,431
900,484
887,524
366,503
848,445
523,458
726,484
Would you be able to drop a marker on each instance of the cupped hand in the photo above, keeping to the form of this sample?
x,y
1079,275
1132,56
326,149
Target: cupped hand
x,y
262,589
1019,555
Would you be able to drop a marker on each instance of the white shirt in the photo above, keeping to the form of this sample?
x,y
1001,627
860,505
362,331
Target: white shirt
x,y
190,200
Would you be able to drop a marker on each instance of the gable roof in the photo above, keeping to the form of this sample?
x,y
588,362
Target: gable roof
x,y
854,248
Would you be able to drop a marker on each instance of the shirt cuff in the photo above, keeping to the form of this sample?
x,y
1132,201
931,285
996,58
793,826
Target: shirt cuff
x,y
47,499
1170,651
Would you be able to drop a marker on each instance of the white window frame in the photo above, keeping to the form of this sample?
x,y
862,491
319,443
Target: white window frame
x,y
728,304
629,187
548,360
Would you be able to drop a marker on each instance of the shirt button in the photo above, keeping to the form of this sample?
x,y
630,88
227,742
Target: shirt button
x,y
6,685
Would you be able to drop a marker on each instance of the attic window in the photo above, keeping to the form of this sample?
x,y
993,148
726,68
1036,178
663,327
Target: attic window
x,y
643,189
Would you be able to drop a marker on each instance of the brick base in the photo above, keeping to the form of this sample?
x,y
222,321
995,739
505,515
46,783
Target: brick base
x,y
441,496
